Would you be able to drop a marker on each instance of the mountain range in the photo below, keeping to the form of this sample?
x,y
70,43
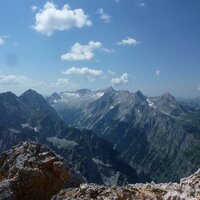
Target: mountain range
x,y
30,117
119,137
158,136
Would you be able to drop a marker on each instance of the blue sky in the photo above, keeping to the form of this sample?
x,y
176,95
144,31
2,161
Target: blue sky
x,y
147,45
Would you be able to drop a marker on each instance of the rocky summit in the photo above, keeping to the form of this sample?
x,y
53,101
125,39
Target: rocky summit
x,y
187,189
31,171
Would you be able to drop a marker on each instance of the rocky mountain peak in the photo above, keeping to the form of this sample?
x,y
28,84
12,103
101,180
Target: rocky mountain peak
x,y
168,96
31,96
30,92
56,95
35,101
109,89
8,97
9,94
32,171
140,95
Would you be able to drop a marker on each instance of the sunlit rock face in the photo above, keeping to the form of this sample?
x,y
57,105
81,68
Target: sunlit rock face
x,y
187,189
31,171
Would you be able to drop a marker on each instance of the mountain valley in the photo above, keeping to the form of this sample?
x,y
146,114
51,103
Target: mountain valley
x,y
154,135
30,117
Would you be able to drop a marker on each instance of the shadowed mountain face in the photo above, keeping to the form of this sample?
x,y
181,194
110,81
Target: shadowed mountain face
x,y
159,136
31,117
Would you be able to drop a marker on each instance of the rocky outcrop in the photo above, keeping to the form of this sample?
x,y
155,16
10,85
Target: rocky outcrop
x,y
31,171
187,189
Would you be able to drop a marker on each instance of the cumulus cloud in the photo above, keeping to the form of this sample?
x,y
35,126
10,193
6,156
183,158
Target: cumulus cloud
x,y
13,79
105,17
20,83
89,73
157,72
123,79
82,52
107,50
128,41
83,70
50,18
62,82
2,41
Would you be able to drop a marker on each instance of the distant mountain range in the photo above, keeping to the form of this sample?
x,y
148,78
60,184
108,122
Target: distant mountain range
x,y
157,136
30,117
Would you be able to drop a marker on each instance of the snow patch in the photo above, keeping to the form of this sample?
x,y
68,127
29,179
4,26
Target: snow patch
x,y
62,143
14,130
70,95
99,94
99,162
151,104
26,125
111,180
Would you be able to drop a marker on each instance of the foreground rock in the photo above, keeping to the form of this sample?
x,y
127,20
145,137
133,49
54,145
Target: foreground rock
x,y
187,189
31,171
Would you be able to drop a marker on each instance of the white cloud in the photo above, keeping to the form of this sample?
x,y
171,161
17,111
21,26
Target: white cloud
x,y
128,41
82,52
2,41
198,88
13,79
62,82
50,19
20,83
105,17
90,74
123,79
111,72
107,50
83,70
157,72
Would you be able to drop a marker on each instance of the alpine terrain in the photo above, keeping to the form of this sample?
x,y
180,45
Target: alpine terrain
x,y
30,117
157,136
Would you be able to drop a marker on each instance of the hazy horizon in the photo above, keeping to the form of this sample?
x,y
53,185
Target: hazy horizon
x,y
53,46
116,89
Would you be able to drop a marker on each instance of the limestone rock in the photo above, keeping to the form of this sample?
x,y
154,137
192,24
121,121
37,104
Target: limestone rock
x,y
31,171
187,189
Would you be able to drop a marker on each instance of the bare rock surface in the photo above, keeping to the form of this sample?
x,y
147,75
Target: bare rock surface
x,y
187,189
31,171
